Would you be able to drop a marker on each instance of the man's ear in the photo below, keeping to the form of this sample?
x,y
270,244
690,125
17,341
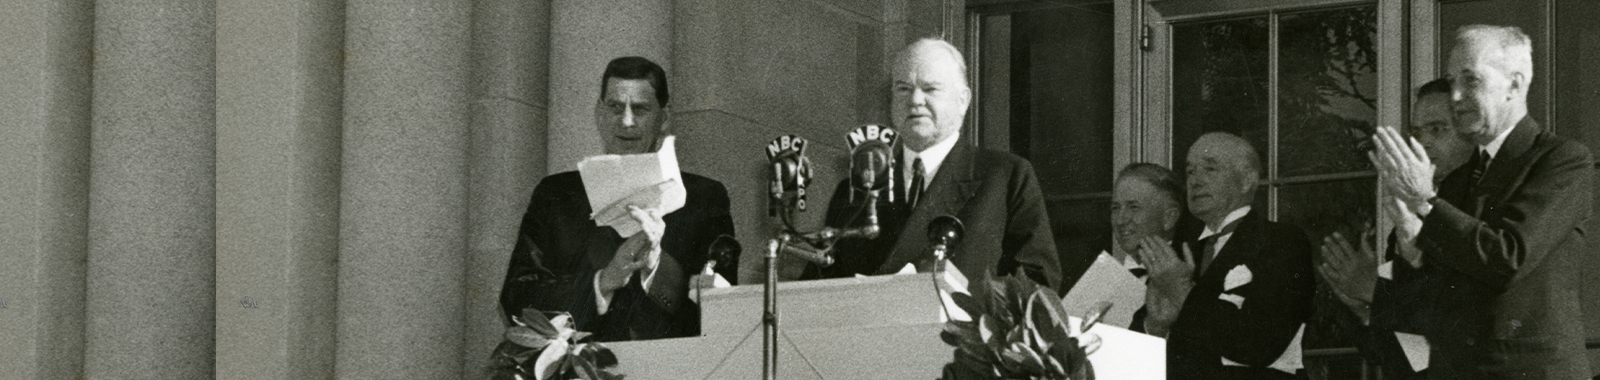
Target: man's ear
x,y
1519,85
1169,219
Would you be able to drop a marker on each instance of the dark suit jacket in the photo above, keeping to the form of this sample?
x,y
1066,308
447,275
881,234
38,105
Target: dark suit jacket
x,y
1399,304
1277,302
997,198
1505,257
559,249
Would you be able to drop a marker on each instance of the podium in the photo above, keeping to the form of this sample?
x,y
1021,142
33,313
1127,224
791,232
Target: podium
x,y
881,327
884,327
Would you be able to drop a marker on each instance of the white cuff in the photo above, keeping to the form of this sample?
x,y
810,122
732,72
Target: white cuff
x,y
602,300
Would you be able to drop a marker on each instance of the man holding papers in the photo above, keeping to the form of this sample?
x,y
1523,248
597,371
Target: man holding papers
x,y
621,268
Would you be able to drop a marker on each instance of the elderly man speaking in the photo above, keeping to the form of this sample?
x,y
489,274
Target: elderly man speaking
x,y
1502,236
994,193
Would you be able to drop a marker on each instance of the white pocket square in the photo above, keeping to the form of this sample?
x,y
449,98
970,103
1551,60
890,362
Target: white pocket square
x,y
1235,299
1238,276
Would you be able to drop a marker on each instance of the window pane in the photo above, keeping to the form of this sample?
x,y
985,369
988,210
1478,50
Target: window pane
x,y
1318,210
1061,96
1082,229
1327,90
1219,82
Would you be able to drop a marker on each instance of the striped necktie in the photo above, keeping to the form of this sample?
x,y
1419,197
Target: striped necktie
x,y
915,188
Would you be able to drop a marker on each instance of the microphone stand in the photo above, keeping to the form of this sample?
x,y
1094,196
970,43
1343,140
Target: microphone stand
x,y
827,235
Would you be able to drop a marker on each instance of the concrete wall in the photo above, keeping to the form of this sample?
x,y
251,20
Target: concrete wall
x,y
312,189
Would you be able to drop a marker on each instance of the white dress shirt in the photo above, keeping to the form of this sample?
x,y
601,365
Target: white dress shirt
x,y
932,158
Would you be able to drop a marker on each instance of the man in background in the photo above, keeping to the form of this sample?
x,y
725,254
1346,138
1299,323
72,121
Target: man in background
x,y
1502,237
995,194
1388,298
1146,205
1234,303
618,287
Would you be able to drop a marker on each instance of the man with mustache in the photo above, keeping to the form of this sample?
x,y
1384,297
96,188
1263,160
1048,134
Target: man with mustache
x,y
618,287
1502,237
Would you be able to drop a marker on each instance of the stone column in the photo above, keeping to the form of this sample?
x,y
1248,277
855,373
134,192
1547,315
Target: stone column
x,y
403,197
279,90
510,53
584,35
44,109
151,239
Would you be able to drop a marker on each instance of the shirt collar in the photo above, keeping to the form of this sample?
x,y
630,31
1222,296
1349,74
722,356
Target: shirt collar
x,y
1232,216
932,157
1493,147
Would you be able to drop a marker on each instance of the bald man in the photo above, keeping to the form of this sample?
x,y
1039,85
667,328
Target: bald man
x,y
1502,237
994,193
1232,305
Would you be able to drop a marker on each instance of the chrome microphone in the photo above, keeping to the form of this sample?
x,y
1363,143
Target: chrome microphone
x,y
724,248
944,231
791,173
871,160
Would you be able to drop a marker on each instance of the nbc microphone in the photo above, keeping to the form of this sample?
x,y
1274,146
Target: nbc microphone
x,y
791,172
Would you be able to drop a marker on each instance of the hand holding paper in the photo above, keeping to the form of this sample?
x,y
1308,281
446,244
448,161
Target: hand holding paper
x,y
648,181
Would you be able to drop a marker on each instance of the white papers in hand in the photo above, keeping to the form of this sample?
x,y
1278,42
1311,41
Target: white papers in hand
x,y
1416,349
1106,280
649,181
1125,354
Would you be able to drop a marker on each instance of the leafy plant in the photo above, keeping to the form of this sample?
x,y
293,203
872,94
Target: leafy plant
x,y
1019,331
545,346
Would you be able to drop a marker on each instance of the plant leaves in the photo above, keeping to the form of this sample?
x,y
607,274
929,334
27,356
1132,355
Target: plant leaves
x,y
534,319
550,361
527,337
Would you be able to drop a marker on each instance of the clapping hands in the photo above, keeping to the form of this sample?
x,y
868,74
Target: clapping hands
x,y
1171,278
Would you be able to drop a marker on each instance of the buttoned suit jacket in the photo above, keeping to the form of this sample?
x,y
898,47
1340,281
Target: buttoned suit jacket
x,y
559,250
1277,300
995,195
1505,257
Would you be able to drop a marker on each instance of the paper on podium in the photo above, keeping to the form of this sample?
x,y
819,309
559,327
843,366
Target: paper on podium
x,y
1125,354
1106,280
650,181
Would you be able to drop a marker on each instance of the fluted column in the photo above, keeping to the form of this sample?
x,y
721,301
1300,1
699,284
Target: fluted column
x,y
278,131
584,35
403,215
510,54
151,191
44,159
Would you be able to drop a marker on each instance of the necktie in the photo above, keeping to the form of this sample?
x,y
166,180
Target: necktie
x,y
1480,164
914,189
1139,272
1208,252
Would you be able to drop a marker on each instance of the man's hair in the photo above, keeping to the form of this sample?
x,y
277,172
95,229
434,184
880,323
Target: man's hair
x,y
1513,51
1439,86
942,45
1157,176
637,68
1248,160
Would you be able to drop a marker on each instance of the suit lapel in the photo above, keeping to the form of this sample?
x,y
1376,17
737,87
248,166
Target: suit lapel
x,y
1507,165
1240,246
952,186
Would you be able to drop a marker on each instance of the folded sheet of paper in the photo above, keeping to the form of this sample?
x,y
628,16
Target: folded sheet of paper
x,y
649,181
1416,349
1107,280
1125,354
